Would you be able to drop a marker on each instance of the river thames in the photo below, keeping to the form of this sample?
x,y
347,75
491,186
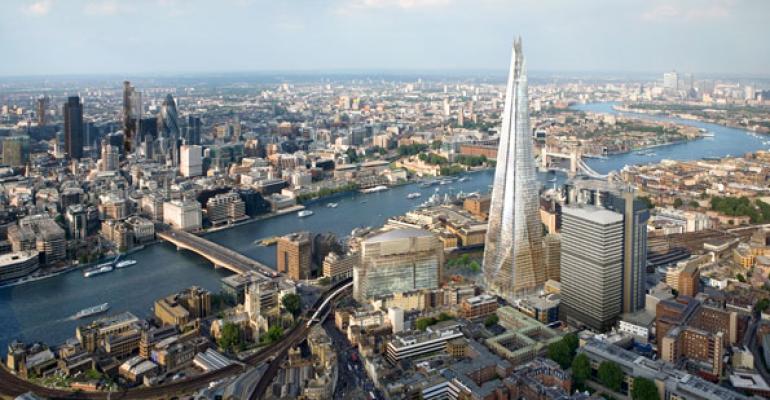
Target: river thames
x,y
39,311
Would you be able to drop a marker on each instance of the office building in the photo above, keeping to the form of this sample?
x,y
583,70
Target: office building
x,y
73,127
513,254
552,256
397,261
338,267
77,221
591,266
701,348
132,114
168,129
294,255
672,313
92,334
42,109
184,215
672,383
15,151
478,306
41,233
193,136
110,157
18,264
183,307
671,80
406,345
191,160
225,207
635,216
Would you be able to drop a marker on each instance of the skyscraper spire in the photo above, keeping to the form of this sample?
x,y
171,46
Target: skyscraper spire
x,y
513,254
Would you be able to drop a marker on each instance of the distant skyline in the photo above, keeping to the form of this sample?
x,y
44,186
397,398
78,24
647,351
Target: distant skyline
x,y
145,37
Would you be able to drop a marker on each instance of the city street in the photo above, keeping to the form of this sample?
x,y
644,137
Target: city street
x,y
352,383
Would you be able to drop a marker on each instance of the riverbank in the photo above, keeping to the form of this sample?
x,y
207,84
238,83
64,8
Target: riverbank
x,y
662,112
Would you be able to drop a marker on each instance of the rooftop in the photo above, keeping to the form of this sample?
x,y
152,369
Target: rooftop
x,y
395,234
594,214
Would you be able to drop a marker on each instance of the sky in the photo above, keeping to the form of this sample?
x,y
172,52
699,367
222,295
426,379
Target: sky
x,y
56,37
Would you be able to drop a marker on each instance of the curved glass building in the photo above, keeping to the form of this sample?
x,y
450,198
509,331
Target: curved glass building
x,y
513,253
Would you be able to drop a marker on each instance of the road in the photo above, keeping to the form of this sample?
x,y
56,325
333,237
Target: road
x,y
750,341
12,385
353,382
214,252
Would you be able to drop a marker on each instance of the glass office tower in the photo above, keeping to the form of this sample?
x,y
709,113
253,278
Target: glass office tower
x,y
513,254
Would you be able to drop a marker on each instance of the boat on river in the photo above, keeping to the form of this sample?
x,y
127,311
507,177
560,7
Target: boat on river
x,y
304,213
87,312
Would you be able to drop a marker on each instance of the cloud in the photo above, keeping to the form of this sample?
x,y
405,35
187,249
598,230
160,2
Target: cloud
x,y
41,7
689,11
350,6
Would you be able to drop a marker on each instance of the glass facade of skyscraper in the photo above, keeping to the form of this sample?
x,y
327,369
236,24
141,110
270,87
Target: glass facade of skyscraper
x,y
513,254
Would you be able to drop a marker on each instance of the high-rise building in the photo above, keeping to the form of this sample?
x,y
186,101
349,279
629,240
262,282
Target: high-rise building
x,y
591,266
15,151
513,254
294,255
397,261
168,118
193,136
635,217
132,113
671,80
552,256
110,157
191,160
42,108
73,127
168,126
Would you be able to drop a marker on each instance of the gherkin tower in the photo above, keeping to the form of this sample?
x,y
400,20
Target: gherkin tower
x,y
513,254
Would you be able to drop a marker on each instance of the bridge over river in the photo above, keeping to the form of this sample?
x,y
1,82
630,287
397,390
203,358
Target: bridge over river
x,y
221,256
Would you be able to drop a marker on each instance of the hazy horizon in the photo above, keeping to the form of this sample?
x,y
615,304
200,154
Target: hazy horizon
x,y
165,37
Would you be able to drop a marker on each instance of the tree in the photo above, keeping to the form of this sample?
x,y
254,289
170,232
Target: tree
x,y
560,352
610,375
436,145
572,341
693,204
644,389
581,369
474,266
292,303
740,278
443,317
647,202
491,320
762,305
230,338
352,155
424,323
678,202
274,333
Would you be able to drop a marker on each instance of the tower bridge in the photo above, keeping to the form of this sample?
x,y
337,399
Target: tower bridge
x,y
576,162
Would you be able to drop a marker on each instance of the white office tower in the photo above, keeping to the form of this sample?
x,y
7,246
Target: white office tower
x,y
513,254
191,163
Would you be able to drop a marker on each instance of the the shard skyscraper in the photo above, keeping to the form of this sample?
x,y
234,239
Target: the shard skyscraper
x,y
513,253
